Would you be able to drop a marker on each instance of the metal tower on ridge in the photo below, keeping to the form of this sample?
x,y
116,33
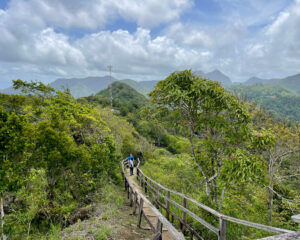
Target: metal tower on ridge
x,y
110,86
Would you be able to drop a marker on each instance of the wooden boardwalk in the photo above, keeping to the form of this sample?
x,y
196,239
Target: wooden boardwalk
x,y
163,198
149,213
161,227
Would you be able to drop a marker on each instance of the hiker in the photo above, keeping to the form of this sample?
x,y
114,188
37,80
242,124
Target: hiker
x,y
131,163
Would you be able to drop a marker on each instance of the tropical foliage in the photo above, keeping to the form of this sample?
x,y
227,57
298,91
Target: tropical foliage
x,y
58,154
55,154
281,102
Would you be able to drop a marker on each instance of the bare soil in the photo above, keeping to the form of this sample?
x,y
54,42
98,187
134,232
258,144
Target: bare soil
x,y
108,221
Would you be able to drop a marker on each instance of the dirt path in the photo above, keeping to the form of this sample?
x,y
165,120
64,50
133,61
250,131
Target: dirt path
x,y
148,212
111,219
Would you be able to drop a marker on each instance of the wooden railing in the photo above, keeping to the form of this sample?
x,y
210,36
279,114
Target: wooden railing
x,y
137,201
162,198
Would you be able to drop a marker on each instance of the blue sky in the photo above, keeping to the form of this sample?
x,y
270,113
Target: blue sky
x,y
145,40
3,4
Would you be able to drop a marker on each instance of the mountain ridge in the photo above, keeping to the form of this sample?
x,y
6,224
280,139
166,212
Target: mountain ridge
x,y
81,87
292,82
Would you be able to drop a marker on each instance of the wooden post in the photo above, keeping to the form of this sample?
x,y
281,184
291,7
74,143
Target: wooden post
x,y
130,196
128,190
191,236
157,198
168,206
149,189
158,230
135,203
140,212
157,236
146,183
222,229
142,180
184,204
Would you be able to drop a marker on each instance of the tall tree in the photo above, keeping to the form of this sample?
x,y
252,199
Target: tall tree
x,y
218,127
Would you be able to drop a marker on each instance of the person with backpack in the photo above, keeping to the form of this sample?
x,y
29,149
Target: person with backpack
x,y
131,164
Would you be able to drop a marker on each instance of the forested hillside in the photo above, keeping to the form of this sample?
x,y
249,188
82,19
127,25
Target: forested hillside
x,y
55,154
60,155
125,98
281,102
138,86
290,82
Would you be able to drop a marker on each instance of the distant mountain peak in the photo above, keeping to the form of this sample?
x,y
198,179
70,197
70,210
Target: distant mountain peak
x,y
82,87
217,71
254,77
217,75
199,72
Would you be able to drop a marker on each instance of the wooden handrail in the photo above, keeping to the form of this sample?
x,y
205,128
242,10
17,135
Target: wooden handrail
x,y
151,185
133,194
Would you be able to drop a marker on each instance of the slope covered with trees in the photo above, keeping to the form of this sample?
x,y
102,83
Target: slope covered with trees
x,y
280,101
125,98
59,154
138,86
290,82
55,154
256,181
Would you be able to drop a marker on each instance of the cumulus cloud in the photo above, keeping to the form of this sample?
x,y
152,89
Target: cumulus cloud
x,y
94,14
252,12
191,36
277,48
136,53
149,13
35,39
32,33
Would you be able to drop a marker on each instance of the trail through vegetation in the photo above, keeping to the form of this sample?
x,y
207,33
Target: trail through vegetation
x,y
59,154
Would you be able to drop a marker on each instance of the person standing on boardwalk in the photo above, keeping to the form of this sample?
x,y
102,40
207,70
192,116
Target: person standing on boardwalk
x,y
131,163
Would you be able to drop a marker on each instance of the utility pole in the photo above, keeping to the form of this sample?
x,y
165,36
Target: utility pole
x,y
110,86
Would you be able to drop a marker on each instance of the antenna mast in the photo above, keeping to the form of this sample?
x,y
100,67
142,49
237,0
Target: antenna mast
x,y
110,86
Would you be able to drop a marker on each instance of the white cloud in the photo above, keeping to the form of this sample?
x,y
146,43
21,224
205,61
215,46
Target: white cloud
x,y
277,48
94,14
136,53
53,48
252,12
255,50
276,26
190,36
35,42
29,34
149,13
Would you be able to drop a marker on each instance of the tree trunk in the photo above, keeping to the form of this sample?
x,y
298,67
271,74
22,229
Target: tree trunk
x,y
198,165
271,194
270,203
28,232
207,188
221,198
214,183
2,219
